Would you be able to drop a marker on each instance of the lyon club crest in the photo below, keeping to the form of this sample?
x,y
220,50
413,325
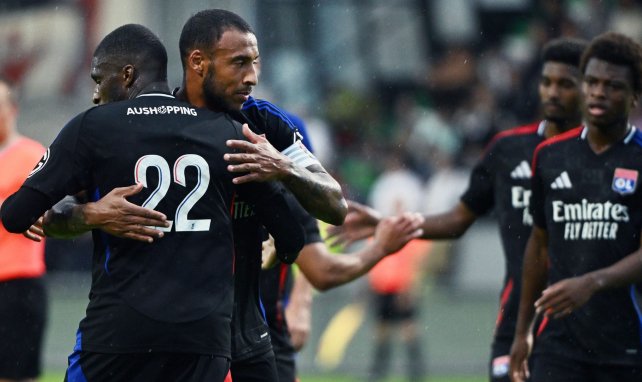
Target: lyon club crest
x,y
624,181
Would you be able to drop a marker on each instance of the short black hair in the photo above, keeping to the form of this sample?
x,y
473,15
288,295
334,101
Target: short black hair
x,y
564,50
137,45
617,49
204,29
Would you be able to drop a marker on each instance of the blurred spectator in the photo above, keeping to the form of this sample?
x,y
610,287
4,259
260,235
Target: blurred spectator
x,y
23,298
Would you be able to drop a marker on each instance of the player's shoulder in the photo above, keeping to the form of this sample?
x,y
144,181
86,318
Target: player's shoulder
x,y
553,143
530,130
265,109
636,138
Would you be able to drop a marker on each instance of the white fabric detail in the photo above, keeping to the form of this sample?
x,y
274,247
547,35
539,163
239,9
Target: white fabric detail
x,y
300,155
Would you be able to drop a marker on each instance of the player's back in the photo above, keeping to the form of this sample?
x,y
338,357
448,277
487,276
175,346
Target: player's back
x,y
176,152
180,285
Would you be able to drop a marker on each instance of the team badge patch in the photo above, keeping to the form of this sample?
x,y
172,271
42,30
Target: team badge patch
x,y
501,366
40,164
624,181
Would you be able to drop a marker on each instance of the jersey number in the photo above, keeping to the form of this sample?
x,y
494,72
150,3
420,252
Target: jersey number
x,y
164,176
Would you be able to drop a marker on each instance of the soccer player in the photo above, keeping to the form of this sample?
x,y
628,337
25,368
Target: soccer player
x,y
587,218
23,298
219,53
501,180
159,311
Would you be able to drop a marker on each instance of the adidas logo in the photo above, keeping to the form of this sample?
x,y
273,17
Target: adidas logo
x,y
562,182
522,171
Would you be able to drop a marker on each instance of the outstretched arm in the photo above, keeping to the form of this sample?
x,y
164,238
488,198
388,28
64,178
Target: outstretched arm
x,y
325,270
112,214
534,278
561,298
361,220
298,313
318,192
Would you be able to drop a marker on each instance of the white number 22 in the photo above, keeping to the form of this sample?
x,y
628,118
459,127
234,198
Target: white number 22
x,y
164,179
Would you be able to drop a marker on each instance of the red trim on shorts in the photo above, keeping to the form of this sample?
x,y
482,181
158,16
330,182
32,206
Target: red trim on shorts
x,y
508,289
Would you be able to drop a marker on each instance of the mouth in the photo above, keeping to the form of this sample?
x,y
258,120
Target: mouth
x,y
552,106
596,110
244,93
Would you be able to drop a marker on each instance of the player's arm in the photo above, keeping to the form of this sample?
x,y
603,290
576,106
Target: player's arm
x,y
318,192
22,209
477,200
325,270
281,217
361,221
534,276
563,297
113,214
298,313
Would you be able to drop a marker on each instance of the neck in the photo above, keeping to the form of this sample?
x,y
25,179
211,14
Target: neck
x,y
600,138
192,90
553,128
151,87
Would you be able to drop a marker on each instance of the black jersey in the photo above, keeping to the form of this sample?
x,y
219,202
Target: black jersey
x,y
501,180
250,330
175,294
591,208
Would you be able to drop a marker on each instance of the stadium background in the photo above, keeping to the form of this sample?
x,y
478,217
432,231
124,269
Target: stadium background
x,y
427,82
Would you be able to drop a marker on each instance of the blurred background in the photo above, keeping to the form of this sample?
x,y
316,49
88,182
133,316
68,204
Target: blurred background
x,y
399,98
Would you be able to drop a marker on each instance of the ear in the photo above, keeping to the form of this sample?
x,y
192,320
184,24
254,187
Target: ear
x,y
196,61
129,74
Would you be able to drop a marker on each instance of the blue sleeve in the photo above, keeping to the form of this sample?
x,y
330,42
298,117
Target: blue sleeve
x,y
300,126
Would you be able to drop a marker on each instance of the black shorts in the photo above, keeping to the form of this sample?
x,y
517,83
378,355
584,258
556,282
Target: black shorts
x,y
552,368
258,368
499,360
23,315
393,307
286,367
158,367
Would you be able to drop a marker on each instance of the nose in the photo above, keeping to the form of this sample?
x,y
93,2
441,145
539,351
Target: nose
x,y
251,76
553,91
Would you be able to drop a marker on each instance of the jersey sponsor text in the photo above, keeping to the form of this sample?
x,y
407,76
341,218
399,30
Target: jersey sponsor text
x,y
151,110
590,221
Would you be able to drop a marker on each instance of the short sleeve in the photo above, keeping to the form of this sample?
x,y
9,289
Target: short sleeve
x,y
536,203
479,196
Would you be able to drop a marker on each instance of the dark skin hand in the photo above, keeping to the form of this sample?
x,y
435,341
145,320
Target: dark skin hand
x,y
124,219
35,232
360,223
121,218
565,296
560,299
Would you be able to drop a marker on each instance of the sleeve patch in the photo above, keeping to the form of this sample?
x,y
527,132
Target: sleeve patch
x,y
300,155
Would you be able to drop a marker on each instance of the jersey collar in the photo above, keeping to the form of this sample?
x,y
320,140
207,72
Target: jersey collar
x,y
541,129
155,95
629,136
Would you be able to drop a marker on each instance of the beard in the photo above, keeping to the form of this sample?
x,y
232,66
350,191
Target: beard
x,y
213,99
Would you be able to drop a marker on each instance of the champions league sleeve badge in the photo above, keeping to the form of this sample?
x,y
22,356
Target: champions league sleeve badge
x,y
40,164
624,181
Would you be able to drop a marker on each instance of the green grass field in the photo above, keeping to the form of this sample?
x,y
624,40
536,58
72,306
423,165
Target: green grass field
x,y
58,377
